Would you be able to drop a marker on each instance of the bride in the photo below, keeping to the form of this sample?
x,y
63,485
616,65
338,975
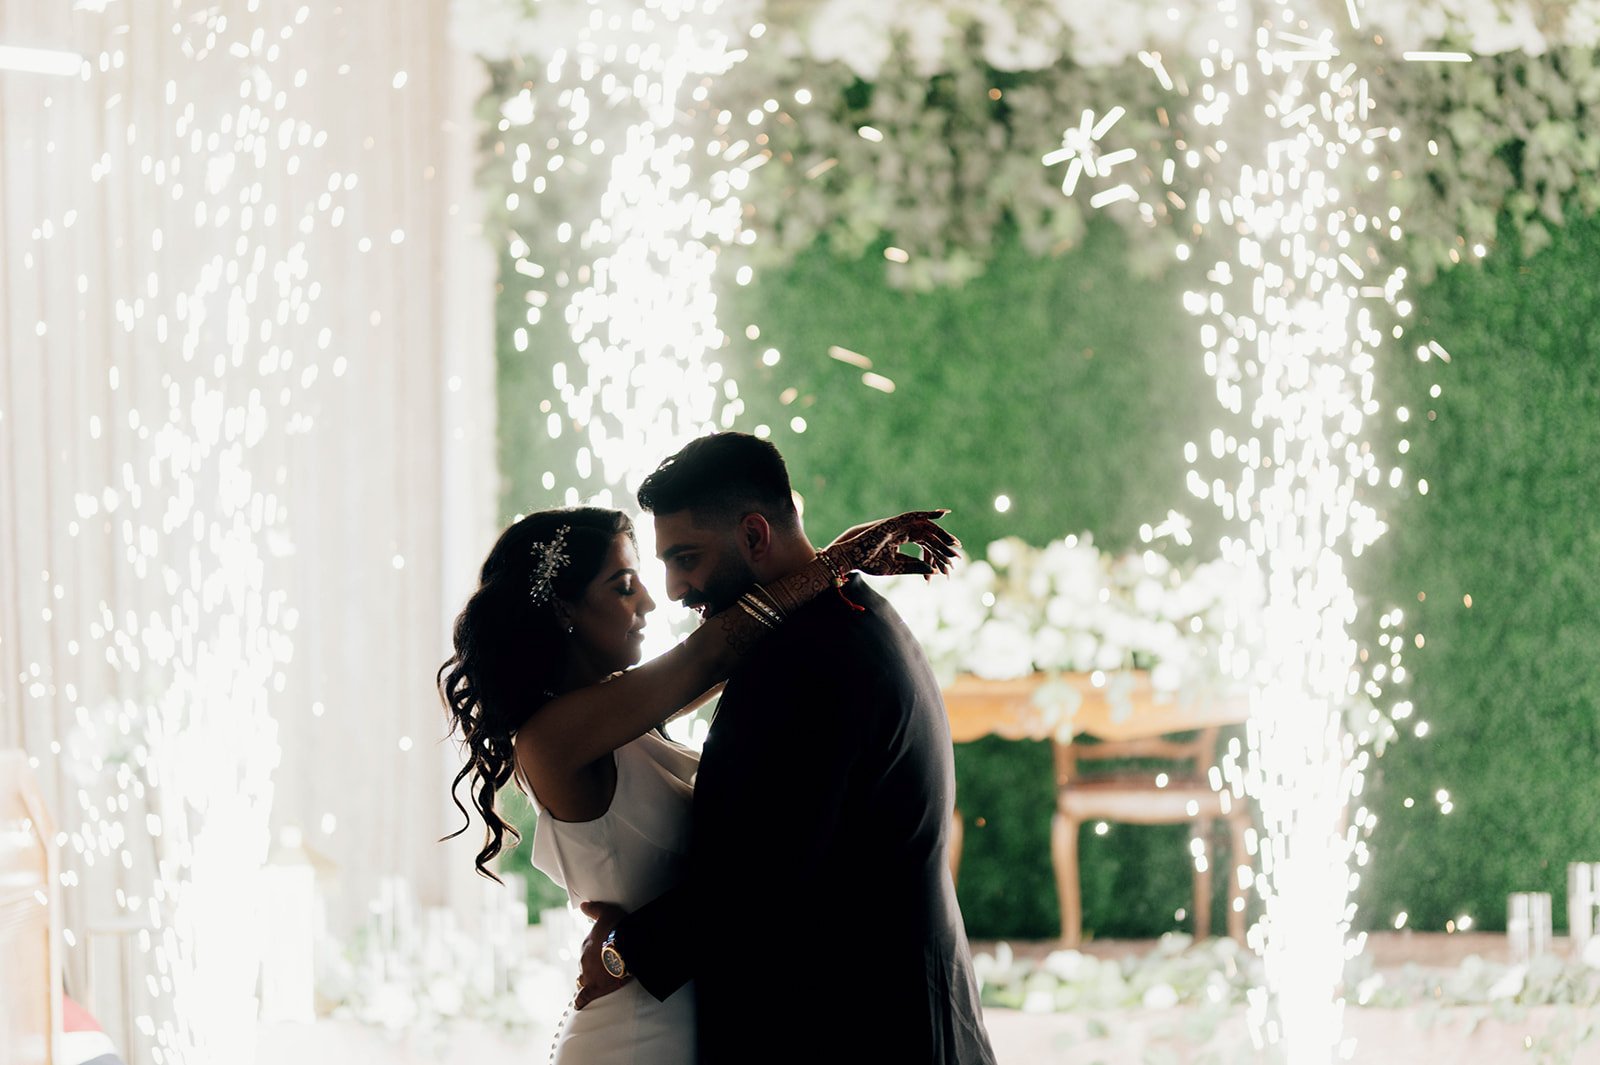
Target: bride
x,y
541,692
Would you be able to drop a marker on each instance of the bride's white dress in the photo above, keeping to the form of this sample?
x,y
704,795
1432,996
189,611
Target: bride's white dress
x,y
629,855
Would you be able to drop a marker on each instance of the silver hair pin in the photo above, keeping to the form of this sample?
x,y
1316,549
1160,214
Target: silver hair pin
x,y
548,558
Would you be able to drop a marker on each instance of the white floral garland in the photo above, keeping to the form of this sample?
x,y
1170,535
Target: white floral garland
x,y
1024,35
1020,35
949,166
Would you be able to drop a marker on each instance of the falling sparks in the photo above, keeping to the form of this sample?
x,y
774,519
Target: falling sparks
x,y
1294,315
853,358
1175,526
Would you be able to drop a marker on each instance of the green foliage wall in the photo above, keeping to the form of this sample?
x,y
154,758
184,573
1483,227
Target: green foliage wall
x,y
1071,386
1510,686
1066,384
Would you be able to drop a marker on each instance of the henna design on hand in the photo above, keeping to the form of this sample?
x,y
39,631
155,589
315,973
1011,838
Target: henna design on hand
x,y
875,547
872,548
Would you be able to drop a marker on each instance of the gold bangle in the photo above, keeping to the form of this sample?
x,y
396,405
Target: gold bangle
x,y
764,603
761,619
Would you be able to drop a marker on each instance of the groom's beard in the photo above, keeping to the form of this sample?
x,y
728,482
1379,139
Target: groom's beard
x,y
731,579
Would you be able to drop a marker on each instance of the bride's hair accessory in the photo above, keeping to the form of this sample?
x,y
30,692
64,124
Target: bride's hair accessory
x,y
548,557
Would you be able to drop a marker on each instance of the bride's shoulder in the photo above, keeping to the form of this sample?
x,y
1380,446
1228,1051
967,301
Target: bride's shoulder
x,y
661,754
658,740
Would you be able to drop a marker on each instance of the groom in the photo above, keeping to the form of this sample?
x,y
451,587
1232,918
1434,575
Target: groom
x,y
819,921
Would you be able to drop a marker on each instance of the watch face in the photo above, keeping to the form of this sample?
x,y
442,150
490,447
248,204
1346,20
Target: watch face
x,y
612,961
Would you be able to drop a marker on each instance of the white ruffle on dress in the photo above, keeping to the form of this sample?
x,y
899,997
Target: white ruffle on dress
x,y
632,853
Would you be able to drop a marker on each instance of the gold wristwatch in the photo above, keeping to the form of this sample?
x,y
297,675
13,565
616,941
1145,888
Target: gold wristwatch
x,y
611,958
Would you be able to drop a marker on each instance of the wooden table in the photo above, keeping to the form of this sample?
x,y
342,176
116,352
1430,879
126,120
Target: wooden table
x,y
1030,708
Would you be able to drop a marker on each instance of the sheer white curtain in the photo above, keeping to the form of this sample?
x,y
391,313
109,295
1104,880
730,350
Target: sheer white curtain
x,y
246,465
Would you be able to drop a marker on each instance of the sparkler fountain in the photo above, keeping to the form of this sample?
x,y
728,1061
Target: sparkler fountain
x,y
627,182
1270,184
628,86
1295,314
183,330
646,321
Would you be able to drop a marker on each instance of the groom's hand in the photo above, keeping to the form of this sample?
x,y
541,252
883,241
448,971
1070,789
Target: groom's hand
x,y
593,980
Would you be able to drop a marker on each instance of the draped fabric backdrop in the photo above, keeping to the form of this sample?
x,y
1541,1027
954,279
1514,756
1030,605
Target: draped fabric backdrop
x,y
246,470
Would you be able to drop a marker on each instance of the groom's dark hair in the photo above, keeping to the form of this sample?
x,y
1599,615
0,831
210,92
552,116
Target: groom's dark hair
x,y
721,478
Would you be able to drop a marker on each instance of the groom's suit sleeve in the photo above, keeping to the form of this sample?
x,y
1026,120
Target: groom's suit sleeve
x,y
658,941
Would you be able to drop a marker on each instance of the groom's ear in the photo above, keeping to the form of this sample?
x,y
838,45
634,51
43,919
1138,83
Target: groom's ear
x,y
755,537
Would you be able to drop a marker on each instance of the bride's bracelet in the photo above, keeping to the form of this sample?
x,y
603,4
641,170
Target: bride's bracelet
x,y
832,568
747,604
761,606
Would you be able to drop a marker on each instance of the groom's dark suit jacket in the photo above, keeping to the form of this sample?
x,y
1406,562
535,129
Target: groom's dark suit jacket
x,y
819,921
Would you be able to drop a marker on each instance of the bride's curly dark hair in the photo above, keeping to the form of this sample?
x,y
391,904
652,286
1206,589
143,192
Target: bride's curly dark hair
x,y
511,653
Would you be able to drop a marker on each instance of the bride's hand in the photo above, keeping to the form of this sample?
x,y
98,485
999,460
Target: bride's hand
x,y
875,547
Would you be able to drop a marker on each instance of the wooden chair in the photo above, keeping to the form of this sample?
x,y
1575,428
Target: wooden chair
x,y
1177,793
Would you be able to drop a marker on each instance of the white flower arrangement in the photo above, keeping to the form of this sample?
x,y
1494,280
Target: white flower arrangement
x,y
1068,607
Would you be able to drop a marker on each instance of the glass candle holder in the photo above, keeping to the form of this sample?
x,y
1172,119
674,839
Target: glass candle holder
x,y
1528,925
1583,904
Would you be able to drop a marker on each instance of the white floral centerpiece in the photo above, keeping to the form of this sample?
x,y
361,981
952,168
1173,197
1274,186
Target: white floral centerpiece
x,y
1069,607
